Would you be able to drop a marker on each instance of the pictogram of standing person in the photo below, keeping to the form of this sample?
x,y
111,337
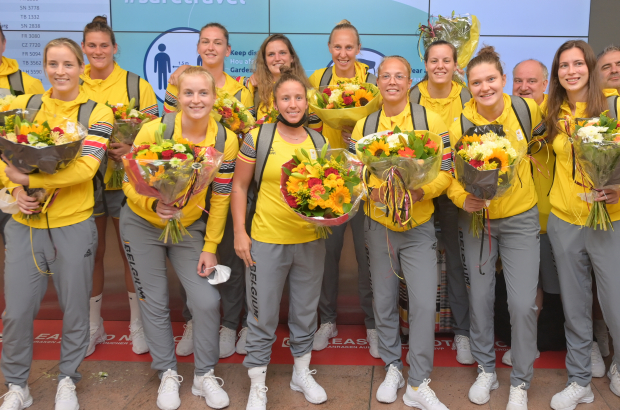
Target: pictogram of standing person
x,y
162,66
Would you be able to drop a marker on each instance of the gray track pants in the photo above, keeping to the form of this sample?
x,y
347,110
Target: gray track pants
x,y
333,250
146,255
414,253
516,240
448,216
232,291
302,264
577,250
549,280
24,287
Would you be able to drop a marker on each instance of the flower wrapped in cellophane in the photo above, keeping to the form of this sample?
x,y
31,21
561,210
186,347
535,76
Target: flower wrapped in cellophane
x,y
461,31
485,164
596,142
403,161
5,102
33,146
233,115
343,104
324,189
171,171
127,123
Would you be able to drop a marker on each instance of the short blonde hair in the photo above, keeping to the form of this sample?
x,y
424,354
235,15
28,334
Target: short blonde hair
x,y
399,58
198,71
65,42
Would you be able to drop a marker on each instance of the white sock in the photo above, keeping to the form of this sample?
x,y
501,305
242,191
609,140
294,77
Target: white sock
x,y
134,308
302,363
95,311
257,375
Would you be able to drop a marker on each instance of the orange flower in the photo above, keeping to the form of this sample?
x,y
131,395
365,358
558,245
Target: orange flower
x,y
407,152
147,155
338,198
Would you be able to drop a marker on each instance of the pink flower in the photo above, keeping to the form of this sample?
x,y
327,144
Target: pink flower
x,y
476,163
314,181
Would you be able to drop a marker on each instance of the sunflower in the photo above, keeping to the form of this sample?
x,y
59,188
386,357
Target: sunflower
x,y
378,147
339,197
499,157
363,97
471,138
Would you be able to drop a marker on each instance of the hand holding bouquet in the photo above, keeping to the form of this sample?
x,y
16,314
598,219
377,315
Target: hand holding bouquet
x,y
596,143
232,114
403,161
325,190
485,164
127,123
343,104
171,171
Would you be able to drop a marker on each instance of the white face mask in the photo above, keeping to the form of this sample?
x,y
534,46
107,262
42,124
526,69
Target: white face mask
x,y
219,275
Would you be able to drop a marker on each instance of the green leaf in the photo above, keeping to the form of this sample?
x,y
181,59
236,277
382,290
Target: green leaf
x,y
286,171
305,153
397,130
324,151
132,104
411,139
159,133
346,208
418,147
297,175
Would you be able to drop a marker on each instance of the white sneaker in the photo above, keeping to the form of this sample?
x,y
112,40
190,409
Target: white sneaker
x,y
306,384
373,343
209,387
97,336
424,398
168,393
614,379
463,350
507,358
66,398
185,347
518,398
598,365
322,336
227,342
136,335
480,391
571,396
258,397
16,398
243,338
388,390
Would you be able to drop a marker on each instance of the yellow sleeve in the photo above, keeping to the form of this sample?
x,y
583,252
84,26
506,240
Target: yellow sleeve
x,y
315,78
32,85
148,100
170,101
93,151
220,198
456,192
439,184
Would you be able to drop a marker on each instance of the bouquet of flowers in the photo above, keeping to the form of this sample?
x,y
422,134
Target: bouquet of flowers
x,y
343,104
325,190
231,113
34,147
596,143
171,171
403,161
127,123
485,165
462,31
269,118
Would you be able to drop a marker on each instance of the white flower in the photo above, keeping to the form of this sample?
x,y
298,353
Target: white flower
x,y
393,140
134,113
178,147
40,144
335,95
591,133
32,139
175,162
227,102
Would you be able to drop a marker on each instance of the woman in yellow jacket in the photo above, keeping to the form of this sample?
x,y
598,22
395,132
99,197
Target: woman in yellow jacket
x,y
62,241
344,44
194,257
12,77
575,93
514,230
439,93
105,81
410,248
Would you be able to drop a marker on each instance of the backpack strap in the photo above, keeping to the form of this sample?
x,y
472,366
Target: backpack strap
x,y
465,124
133,88
85,111
465,96
220,145
81,81
264,140
256,100
35,102
524,116
317,139
371,123
415,96
16,82
169,119
326,78
612,101
83,118
418,116
371,78
238,95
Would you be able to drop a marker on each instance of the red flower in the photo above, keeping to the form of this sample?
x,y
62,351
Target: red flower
x,y
143,147
22,139
137,120
315,181
167,154
58,130
291,201
180,155
347,100
330,171
226,112
476,163
114,109
328,91
390,133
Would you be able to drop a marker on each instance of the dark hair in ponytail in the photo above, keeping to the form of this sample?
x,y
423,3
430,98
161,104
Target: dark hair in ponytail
x,y
287,74
99,24
487,54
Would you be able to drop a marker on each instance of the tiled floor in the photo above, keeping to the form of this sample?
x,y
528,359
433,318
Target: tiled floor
x,y
131,385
